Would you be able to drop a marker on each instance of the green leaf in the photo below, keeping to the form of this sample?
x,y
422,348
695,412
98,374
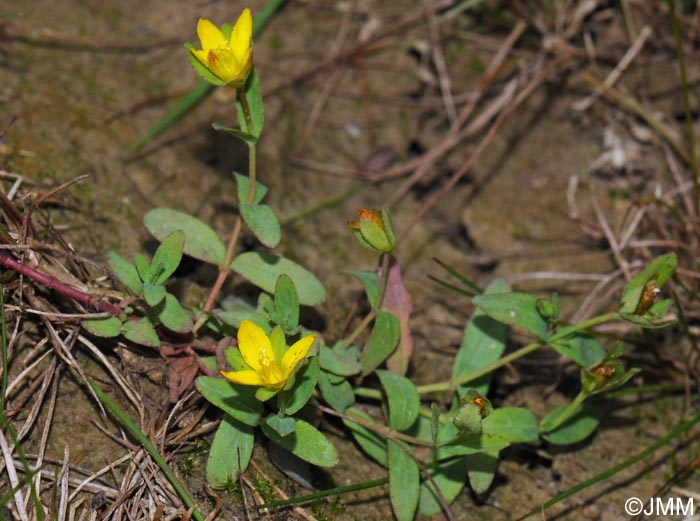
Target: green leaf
x,y
582,348
482,344
482,470
263,222
167,257
403,399
305,383
140,332
515,309
382,341
173,316
368,279
338,361
278,341
234,317
201,242
253,94
307,443
286,304
126,272
372,443
243,185
263,269
515,424
339,395
404,482
652,277
107,327
230,452
248,139
236,400
449,476
464,444
578,427
153,294
283,426
143,267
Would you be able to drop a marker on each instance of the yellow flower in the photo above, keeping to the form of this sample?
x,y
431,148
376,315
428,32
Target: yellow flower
x,y
230,59
265,369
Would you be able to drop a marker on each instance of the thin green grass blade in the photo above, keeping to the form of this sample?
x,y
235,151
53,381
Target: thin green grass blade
x,y
464,280
451,287
684,427
136,432
197,94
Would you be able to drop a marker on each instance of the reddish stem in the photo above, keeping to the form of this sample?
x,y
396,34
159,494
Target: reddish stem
x,y
51,283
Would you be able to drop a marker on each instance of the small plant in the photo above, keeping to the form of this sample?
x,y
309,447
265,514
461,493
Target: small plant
x,y
277,369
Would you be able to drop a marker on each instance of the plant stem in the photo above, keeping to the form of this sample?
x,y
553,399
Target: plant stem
x,y
10,262
383,281
451,384
225,267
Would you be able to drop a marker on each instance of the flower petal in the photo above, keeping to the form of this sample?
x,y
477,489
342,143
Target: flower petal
x,y
243,377
242,33
254,345
210,35
294,354
201,56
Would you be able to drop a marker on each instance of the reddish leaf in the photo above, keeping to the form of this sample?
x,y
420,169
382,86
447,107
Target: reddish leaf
x,y
398,301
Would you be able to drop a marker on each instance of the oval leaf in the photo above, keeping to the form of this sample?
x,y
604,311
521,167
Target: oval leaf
x,y
304,384
483,343
286,304
577,428
307,443
516,309
126,272
372,443
263,269
167,257
107,327
237,401
404,482
201,242
382,341
283,426
242,186
515,424
173,316
230,452
263,222
403,399
140,332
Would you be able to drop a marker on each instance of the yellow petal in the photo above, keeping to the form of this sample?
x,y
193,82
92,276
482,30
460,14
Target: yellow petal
x,y
294,354
241,34
209,35
222,62
201,56
254,345
243,377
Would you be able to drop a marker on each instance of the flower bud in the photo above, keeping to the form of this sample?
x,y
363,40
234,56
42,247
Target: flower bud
x,y
374,230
